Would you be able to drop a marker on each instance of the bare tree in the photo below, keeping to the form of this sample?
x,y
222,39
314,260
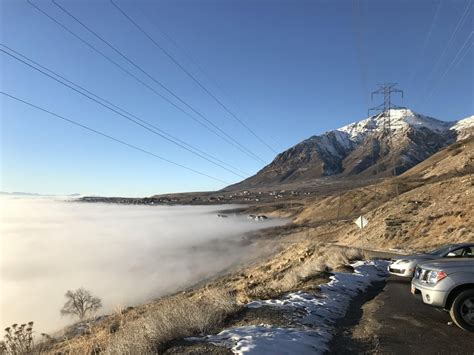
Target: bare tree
x,y
80,303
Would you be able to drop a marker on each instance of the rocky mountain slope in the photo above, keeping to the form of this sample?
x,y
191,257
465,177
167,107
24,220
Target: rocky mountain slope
x,y
457,159
433,205
362,149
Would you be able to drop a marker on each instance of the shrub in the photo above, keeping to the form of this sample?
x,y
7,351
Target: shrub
x,y
18,339
175,317
322,261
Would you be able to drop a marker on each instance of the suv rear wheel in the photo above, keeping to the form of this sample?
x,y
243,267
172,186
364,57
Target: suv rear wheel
x,y
462,310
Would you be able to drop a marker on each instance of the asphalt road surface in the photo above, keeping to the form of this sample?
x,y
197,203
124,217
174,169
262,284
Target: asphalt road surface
x,y
388,319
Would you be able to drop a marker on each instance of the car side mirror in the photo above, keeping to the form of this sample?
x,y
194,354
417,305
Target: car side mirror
x,y
451,254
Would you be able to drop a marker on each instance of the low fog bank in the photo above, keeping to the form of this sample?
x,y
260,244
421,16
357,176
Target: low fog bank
x,y
123,254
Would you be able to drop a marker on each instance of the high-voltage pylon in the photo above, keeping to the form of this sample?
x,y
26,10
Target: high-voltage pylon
x,y
386,89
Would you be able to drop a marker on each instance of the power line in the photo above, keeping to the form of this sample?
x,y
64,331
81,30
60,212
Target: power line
x,y
130,61
110,137
137,122
126,71
137,78
453,35
188,54
451,65
161,133
173,59
357,11
425,43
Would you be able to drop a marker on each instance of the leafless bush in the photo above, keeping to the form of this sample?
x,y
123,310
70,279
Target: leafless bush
x,y
322,261
176,317
336,259
288,282
261,292
18,339
354,254
313,267
339,258
80,303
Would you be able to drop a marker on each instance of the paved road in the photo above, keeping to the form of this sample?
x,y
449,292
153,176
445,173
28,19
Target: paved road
x,y
402,324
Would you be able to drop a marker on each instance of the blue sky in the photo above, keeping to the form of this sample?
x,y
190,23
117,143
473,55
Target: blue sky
x,y
289,69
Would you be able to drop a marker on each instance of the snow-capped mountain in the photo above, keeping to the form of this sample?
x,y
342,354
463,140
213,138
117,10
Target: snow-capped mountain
x,y
363,149
399,120
464,128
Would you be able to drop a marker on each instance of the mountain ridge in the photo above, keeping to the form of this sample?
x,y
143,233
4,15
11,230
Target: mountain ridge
x,y
362,149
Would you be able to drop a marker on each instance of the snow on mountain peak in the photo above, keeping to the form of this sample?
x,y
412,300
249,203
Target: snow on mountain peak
x,y
360,149
464,128
399,119
467,122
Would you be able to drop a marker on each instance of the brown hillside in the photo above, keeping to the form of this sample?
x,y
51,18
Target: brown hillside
x,y
458,157
435,206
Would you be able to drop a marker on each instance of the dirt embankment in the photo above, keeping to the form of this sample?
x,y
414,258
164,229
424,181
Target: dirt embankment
x,y
424,217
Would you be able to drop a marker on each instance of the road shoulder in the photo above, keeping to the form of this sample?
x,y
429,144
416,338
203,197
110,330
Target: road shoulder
x,y
355,332
387,319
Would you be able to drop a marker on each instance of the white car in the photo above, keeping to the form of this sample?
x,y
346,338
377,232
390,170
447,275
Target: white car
x,y
405,265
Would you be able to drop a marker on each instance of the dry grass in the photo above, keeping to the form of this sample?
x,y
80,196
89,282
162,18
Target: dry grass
x,y
326,260
354,254
205,312
175,318
152,328
314,269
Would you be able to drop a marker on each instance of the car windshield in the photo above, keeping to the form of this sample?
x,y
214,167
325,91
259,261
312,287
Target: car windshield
x,y
440,251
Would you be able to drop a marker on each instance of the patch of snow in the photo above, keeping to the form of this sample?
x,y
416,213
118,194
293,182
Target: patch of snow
x,y
314,316
417,120
343,139
399,119
326,144
265,339
464,127
467,122
357,131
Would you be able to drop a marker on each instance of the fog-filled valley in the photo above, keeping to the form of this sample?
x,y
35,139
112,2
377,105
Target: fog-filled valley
x,y
123,254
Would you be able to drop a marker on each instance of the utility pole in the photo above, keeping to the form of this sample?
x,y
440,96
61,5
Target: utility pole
x,y
387,89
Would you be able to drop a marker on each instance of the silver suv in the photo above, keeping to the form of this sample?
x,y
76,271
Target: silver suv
x,y
448,283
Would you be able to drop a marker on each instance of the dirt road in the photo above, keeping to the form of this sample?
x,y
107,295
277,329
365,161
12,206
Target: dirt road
x,y
389,320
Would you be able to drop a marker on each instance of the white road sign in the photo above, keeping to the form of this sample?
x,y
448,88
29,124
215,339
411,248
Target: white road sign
x,y
361,222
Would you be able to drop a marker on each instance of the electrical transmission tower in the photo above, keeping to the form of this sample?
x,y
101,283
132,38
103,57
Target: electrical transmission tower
x,y
384,110
386,89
